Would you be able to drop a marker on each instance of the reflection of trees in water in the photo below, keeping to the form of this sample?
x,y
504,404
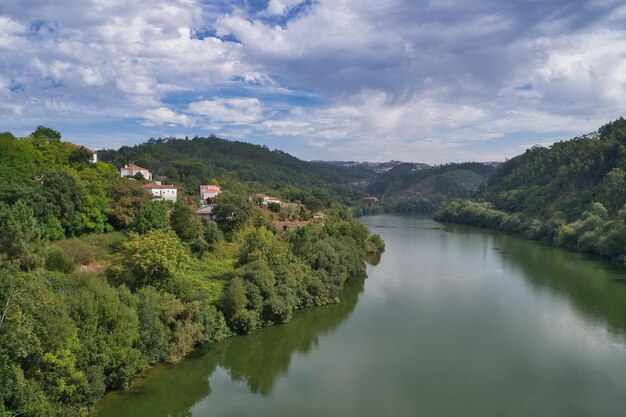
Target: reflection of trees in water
x,y
374,258
593,285
168,390
257,360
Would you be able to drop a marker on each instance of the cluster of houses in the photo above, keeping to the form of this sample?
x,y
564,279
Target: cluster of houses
x,y
161,191
165,192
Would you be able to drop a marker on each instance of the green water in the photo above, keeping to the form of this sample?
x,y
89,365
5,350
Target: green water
x,y
452,321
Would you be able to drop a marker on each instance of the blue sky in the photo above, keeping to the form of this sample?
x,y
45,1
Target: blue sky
x,y
414,80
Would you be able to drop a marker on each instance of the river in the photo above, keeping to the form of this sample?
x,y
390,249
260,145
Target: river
x,y
450,321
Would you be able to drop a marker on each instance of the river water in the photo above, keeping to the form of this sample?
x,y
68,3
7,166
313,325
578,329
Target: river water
x,y
450,321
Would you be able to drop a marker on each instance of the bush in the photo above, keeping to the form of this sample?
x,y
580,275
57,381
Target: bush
x,y
375,243
150,259
57,260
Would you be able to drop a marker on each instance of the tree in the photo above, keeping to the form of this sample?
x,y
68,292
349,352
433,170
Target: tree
x,y
185,222
152,216
127,199
65,195
81,157
21,238
212,233
232,210
150,259
614,186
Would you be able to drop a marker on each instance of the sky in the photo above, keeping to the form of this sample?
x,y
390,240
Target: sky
x,y
414,80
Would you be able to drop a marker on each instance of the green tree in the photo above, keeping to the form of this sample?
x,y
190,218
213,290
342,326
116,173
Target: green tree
x,y
185,222
150,259
21,239
154,215
127,198
232,210
65,197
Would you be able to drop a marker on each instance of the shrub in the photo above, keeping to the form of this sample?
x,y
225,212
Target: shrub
x,y
57,260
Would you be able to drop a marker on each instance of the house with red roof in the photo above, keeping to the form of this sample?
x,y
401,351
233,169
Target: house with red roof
x,y
162,192
208,193
94,154
132,169
266,199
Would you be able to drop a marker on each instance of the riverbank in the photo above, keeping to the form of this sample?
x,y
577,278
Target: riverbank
x,y
540,331
593,233
135,300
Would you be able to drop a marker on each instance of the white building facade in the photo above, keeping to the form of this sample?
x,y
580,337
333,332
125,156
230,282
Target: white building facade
x,y
132,169
162,192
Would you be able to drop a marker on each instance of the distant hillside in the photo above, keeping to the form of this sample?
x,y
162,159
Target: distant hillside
x,y
451,180
195,161
354,171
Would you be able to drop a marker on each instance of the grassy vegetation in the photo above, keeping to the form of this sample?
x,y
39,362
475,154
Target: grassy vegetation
x,y
91,248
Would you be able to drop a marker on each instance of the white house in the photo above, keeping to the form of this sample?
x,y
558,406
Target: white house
x,y
208,193
162,192
132,169
266,199
94,155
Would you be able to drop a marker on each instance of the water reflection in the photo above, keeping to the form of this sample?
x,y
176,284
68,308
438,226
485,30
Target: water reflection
x,y
594,286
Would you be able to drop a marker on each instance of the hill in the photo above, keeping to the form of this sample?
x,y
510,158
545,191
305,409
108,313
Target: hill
x,y
571,194
450,180
568,176
191,162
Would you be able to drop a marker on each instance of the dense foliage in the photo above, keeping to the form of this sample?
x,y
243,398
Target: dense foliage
x,y
98,282
571,194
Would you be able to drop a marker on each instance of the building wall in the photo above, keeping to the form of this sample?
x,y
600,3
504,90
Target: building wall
x,y
170,194
125,172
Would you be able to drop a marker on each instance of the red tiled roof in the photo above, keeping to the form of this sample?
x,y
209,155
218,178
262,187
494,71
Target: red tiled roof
x,y
73,145
136,168
210,188
157,186
263,195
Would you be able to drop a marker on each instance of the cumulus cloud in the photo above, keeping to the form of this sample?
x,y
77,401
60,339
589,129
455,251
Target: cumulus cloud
x,y
164,115
229,110
367,79
120,58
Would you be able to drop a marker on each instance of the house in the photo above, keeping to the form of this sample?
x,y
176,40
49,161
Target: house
x,y
94,154
266,199
205,213
208,193
162,192
370,200
318,215
132,169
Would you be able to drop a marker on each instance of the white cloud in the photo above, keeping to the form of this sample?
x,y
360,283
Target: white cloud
x,y
164,115
113,56
229,110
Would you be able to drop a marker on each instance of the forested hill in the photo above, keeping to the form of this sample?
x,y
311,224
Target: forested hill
x,y
195,161
571,194
568,176
451,180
